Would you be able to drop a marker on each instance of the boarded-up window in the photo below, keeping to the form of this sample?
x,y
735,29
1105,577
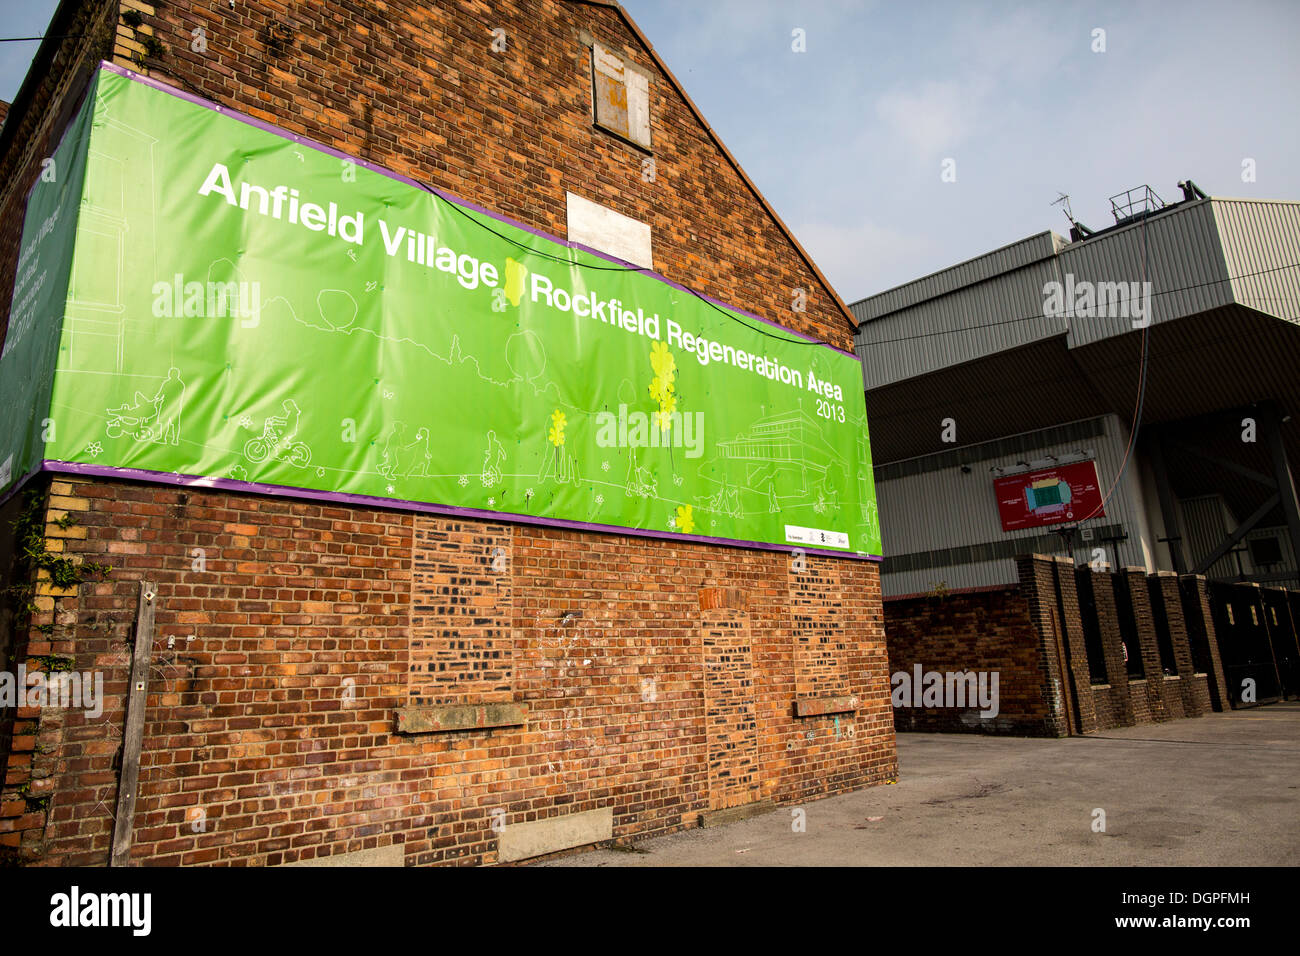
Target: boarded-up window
x,y
622,96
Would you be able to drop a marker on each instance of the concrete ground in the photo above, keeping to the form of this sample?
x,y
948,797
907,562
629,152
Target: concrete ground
x,y
1216,790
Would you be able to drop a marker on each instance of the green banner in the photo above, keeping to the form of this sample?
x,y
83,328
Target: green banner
x,y
246,307
36,309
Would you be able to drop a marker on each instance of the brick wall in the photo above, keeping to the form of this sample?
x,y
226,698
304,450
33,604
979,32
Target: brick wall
x,y
1037,577
1192,687
298,630
983,631
1112,700
270,734
1164,702
1076,654
1034,635
462,648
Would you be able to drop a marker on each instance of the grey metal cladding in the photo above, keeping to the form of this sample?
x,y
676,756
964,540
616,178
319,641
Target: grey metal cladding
x,y
1198,256
1261,246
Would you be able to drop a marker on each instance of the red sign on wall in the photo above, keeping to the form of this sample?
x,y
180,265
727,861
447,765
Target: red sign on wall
x,y
1056,495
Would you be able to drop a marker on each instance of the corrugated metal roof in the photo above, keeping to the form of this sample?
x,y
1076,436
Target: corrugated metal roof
x,y
998,315
1198,255
1261,245
1010,257
1177,251
1002,313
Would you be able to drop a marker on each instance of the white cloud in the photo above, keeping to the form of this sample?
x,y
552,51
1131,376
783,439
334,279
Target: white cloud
x,y
934,118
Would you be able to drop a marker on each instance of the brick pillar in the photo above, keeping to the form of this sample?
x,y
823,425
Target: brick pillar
x,y
1201,636
1112,643
1134,580
1164,588
1076,650
1039,590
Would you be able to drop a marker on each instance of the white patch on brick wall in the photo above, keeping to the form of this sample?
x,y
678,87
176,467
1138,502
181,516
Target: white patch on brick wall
x,y
521,841
610,232
391,855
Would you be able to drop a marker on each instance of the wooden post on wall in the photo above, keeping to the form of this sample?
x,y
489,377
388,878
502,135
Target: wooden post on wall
x,y
133,735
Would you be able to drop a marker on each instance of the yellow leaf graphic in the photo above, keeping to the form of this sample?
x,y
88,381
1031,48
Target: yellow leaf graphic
x,y
556,433
515,273
685,522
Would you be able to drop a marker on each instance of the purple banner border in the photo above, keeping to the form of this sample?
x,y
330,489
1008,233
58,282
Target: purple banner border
x,y
447,196
400,504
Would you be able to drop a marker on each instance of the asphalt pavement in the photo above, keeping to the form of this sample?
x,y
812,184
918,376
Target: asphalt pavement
x,y
1217,790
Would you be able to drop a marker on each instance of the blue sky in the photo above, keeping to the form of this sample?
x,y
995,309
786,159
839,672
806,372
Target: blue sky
x,y
848,139
20,18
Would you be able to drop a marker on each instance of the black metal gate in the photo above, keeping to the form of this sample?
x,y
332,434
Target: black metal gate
x,y
1280,624
1249,665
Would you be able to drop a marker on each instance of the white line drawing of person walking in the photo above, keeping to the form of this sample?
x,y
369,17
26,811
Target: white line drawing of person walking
x,y
168,400
388,467
156,419
493,459
405,459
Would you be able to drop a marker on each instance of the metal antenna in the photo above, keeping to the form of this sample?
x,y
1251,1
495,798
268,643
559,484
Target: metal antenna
x,y
1063,200
1078,230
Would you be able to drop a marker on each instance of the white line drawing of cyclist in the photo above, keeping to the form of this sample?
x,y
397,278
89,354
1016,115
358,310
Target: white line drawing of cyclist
x,y
277,438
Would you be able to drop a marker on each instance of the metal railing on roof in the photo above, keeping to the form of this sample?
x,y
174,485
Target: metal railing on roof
x,y
1138,201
